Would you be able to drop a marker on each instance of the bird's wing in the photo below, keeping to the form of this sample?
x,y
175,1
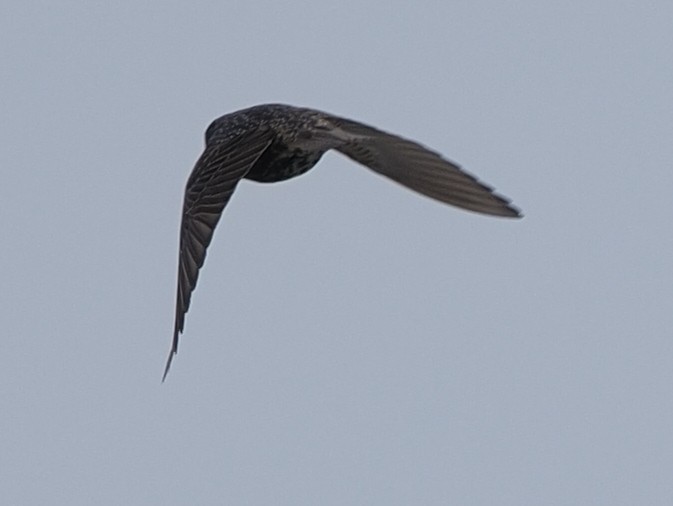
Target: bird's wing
x,y
419,169
209,188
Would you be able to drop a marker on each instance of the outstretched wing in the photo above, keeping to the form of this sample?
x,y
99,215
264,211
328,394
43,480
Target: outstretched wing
x,y
209,188
419,169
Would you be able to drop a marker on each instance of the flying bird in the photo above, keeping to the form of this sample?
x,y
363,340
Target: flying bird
x,y
274,142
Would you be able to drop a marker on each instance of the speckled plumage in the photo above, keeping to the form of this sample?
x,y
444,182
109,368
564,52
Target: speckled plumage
x,y
274,142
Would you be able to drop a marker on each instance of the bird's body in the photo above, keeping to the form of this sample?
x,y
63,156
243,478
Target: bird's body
x,y
287,156
275,142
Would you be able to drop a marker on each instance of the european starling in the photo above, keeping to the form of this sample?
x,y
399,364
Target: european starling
x,y
274,142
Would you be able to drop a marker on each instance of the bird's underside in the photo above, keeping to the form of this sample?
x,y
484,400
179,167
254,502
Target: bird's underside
x,y
274,142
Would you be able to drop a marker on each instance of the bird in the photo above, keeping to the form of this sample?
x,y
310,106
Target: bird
x,y
274,142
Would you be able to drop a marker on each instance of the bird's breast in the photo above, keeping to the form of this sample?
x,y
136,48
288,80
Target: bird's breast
x,y
279,164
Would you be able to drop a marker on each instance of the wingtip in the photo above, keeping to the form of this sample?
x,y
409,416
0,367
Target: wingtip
x,y
168,364
507,208
515,212
174,349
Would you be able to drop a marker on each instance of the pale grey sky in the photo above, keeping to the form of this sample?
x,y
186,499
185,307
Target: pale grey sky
x,y
349,342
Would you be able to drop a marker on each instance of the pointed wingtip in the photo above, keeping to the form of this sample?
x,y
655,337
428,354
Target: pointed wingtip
x,y
171,354
168,365
504,209
174,350
515,212
507,208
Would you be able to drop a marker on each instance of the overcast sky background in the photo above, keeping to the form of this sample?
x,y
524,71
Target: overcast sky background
x,y
350,342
